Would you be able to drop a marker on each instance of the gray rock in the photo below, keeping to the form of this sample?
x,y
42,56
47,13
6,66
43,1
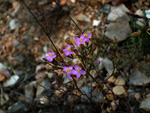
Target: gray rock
x,y
82,17
118,13
145,104
19,107
105,9
105,63
29,91
120,31
13,24
138,79
42,86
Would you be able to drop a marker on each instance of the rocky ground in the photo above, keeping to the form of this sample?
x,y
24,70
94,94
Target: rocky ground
x,y
28,84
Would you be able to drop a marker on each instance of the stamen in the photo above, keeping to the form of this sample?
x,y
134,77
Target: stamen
x,y
80,39
50,55
68,70
78,70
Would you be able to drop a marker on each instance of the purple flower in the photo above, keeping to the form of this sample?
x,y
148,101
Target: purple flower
x,y
108,51
68,71
68,50
98,62
78,71
80,40
87,37
51,56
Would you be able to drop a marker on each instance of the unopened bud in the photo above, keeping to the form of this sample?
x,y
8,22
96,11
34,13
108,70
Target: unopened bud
x,y
68,41
105,29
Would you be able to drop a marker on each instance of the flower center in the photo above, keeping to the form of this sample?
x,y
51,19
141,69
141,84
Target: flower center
x,y
68,70
68,49
86,35
78,70
80,40
50,55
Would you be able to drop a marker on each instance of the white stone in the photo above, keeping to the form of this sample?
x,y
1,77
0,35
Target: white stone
x,y
13,24
12,81
140,21
147,13
120,81
118,90
145,105
134,79
96,22
73,1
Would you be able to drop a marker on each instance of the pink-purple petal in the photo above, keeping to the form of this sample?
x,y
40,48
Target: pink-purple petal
x,y
82,36
70,67
74,72
68,46
83,72
78,75
69,76
54,56
76,67
77,39
67,53
65,50
89,35
48,52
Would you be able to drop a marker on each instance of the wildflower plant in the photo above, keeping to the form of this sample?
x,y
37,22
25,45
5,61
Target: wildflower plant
x,y
87,48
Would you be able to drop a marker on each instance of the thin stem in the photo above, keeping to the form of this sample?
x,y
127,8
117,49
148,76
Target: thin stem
x,y
70,18
42,28
80,90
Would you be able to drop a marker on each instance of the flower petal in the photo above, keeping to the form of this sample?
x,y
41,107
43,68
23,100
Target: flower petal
x,y
65,50
68,46
74,72
48,58
48,52
78,75
83,72
77,43
71,52
76,67
69,76
65,68
77,39
70,67
67,53
89,35
53,53
82,36
54,56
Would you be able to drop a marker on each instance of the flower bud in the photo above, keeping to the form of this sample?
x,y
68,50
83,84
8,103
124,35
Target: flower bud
x,y
68,41
105,29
